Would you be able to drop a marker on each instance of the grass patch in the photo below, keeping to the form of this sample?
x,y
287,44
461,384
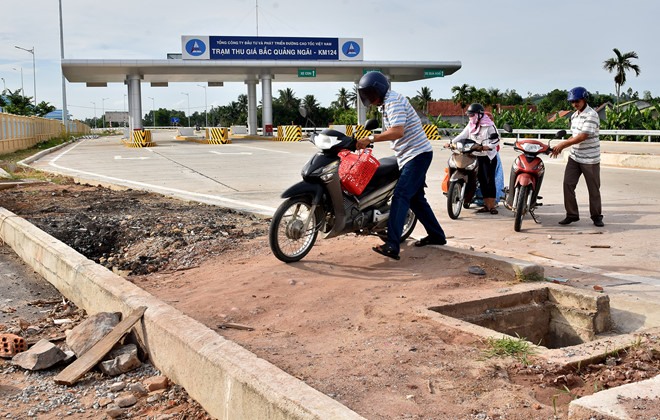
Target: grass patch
x,y
9,161
518,348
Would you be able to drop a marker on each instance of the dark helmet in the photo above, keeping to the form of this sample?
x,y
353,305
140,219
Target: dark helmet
x,y
372,88
476,109
577,93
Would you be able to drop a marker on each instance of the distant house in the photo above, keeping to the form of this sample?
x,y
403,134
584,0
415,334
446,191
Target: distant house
x,y
560,114
641,105
451,112
456,115
601,110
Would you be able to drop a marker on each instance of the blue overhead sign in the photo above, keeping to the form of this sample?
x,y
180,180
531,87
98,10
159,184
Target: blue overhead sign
x,y
270,48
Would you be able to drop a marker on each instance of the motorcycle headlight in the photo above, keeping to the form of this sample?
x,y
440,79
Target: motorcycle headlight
x,y
329,171
325,142
531,147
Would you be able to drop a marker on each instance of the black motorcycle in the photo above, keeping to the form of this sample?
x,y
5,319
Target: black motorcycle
x,y
318,203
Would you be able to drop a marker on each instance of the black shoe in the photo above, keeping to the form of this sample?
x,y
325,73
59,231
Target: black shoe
x,y
568,220
386,251
430,241
598,221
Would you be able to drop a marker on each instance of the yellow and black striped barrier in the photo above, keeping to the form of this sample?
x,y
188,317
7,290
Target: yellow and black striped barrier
x,y
432,131
349,130
140,138
217,135
289,133
361,132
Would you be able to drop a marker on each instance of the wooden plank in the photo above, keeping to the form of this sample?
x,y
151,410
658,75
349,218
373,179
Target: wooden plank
x,y
84,363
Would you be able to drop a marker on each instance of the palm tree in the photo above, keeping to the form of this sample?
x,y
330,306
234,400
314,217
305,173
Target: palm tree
x,y
463,95
288,99
494,97
353,96
342,101
423,98
620,64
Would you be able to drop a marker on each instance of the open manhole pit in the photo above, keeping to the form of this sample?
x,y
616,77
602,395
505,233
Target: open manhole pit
x,y
546,316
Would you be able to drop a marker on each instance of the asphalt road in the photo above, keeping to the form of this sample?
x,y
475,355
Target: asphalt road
x,y
250,175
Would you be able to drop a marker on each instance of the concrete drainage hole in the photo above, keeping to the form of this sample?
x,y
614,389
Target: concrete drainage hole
x,y
547,317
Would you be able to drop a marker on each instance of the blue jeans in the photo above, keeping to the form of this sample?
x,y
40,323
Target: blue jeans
x,y
409,194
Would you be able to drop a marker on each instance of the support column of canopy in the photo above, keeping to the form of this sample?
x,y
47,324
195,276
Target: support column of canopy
x,y
134,102
252,106
361,109
267,104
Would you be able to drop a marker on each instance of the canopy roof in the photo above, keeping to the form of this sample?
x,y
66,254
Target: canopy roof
x,y
215,71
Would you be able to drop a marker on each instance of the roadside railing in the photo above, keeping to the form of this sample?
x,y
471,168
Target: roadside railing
x,y
651,135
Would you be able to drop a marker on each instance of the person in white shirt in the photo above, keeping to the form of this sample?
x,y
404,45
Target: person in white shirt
x,y
584,158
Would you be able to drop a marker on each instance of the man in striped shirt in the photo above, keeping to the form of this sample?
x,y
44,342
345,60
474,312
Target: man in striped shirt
x,y
413,152
584,158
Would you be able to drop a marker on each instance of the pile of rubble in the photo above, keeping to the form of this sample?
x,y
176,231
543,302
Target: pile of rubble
x,y
48,369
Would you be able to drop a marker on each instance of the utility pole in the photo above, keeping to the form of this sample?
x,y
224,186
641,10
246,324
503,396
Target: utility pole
x,y
34,71
206,114
188,95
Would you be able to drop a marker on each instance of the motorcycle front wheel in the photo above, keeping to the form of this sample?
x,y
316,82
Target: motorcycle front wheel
x,y
455,197
293,230
522,193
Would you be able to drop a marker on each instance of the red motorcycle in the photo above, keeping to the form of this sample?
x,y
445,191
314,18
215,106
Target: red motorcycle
x,y
526,177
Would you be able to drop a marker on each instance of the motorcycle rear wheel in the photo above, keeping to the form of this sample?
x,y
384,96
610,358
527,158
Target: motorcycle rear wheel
x,y
288,239
408,227
522,193
455,198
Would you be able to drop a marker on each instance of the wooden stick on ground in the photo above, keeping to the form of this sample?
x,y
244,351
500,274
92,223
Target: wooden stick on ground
x,y
84,363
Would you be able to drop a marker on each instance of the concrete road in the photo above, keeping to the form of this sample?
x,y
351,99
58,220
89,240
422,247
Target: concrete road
x,y
250,175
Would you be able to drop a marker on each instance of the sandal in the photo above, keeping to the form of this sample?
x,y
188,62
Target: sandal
x,y
386,251
483,210
493,211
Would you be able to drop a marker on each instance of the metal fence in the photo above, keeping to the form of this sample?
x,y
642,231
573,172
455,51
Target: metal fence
x,y
650,135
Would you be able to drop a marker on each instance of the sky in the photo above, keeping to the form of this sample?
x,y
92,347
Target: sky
x,y
527,46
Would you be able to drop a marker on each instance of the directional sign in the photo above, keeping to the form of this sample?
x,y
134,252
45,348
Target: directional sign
x,y
306,72
433,73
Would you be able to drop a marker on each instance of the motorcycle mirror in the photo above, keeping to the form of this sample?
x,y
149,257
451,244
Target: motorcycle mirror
x,y
507,128
494,136
303,111
560,134
371,124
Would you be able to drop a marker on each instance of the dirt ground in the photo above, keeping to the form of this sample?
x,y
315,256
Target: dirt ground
x,y
350,323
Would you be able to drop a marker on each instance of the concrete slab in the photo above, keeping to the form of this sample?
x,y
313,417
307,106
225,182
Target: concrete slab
x,y
608,404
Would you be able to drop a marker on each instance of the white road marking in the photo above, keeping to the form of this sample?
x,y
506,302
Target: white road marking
x,y
231,153
131,158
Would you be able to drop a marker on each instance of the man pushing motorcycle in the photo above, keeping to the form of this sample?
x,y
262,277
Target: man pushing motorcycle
x,y
584,158
403,128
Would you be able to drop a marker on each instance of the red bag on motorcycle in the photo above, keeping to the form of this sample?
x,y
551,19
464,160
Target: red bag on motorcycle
x,y
356,170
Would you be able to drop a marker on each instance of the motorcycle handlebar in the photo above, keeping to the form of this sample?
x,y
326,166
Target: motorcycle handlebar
x,y
506,143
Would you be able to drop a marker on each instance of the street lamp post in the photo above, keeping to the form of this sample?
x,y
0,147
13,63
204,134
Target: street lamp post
x,y
34,70
153,112
3,84
103,110
65,111
206,114
188,95
94,114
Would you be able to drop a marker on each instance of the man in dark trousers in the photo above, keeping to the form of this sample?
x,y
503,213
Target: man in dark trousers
x,y
584,158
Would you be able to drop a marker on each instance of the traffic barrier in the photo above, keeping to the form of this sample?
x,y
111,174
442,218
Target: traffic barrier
x,y
140,138
432,131
361,132
289,133
217,135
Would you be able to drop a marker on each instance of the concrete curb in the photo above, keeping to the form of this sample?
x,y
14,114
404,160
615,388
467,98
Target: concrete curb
x,y
227,380
606,405
630,160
